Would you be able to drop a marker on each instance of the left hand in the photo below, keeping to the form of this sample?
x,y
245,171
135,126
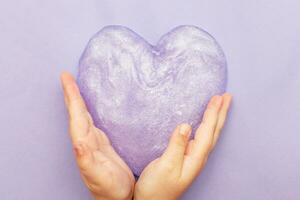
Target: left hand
x,y
168,176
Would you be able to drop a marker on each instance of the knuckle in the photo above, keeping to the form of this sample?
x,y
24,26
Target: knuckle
x,y
180,142
169,167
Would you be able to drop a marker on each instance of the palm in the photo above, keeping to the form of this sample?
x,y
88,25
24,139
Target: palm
x,y
108,170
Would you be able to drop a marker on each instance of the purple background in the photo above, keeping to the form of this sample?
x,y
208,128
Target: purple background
x,y
258,156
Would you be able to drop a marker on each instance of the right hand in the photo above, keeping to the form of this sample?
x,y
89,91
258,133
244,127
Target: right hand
x,y
103,171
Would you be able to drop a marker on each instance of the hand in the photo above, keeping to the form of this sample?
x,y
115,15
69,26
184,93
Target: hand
x,y
167,177
105,174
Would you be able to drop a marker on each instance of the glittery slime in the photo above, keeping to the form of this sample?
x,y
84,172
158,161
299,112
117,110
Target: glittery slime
x,y
137,92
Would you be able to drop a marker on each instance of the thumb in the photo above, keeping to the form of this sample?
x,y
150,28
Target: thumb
x,y
84,156
177,144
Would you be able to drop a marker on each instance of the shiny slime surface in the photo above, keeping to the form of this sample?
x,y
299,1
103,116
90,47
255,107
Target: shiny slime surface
x,y
137,93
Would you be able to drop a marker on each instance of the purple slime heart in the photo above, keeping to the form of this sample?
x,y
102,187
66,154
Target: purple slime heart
x,y
137,93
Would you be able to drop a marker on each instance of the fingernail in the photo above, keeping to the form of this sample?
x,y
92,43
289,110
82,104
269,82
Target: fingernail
x,y
227,95
185,129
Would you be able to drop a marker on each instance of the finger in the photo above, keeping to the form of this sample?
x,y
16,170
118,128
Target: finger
x,y
189,147
101,138
222,116
74,101
204,135
202,142
79,117
177,144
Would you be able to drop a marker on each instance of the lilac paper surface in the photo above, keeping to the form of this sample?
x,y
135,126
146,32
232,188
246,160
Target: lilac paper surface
x,y
258,155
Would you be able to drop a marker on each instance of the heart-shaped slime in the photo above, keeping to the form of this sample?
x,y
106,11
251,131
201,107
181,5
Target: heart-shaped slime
x,y
138,93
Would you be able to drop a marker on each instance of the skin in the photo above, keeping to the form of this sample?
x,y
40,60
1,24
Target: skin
x,y
109,178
